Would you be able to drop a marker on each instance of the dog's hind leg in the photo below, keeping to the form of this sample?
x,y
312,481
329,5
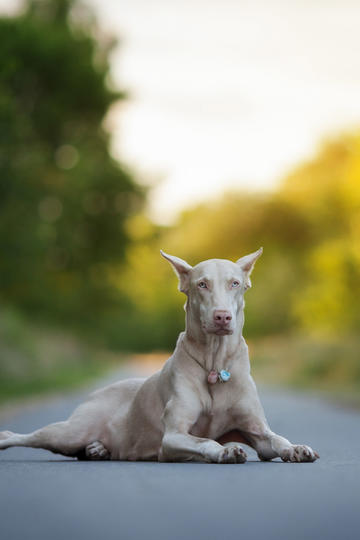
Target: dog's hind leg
x,y
60,438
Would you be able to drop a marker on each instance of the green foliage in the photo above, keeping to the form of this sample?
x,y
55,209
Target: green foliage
x,y
326,191
63,199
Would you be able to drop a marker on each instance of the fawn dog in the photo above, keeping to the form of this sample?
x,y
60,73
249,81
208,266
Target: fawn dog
x,y
198,407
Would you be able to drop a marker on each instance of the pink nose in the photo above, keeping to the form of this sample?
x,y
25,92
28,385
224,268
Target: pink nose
x,y
222,317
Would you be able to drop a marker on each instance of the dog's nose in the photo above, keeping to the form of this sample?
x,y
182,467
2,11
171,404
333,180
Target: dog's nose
x,y
222,317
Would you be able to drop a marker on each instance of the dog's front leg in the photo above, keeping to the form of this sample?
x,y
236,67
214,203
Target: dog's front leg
x,y
179,445
268,444
252,424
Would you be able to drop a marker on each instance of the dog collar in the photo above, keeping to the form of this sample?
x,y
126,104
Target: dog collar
x,y
221,376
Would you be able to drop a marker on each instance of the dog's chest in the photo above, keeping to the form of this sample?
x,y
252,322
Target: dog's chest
x,y
216,415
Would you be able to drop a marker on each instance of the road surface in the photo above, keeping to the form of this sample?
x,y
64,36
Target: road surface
x,y
45,496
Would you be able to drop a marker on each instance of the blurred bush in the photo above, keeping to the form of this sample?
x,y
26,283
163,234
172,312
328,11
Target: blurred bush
x,y
326,365
36,359
326,193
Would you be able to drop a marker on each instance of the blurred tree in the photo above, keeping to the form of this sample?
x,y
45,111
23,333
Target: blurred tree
x,y
308,277
63,199
326,192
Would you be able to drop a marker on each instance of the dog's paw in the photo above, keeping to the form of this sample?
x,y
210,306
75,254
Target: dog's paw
x,y
232,453
299,453
96,450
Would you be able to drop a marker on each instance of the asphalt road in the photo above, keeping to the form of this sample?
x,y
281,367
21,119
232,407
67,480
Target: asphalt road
x,y
47,496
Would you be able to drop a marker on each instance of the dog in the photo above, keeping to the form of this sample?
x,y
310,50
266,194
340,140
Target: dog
x,y
199,407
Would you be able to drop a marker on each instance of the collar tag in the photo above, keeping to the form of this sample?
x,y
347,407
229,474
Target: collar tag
x,y
215,376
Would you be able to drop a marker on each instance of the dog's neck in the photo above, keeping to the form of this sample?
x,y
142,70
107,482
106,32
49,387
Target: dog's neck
x,y
212,352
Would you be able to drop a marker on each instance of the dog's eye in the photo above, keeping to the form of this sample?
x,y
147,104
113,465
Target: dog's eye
x,y
235,284
202,285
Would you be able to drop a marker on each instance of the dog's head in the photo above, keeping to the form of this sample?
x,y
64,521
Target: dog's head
x,y
215,290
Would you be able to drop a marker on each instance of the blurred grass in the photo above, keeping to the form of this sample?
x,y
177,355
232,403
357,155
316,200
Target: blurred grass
x,y
36,360
329,367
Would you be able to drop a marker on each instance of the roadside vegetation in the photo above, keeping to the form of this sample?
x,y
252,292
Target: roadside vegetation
x,y
327,368
38,360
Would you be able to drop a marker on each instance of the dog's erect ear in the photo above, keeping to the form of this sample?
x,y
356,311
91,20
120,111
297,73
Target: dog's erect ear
x,y
181,268
247,264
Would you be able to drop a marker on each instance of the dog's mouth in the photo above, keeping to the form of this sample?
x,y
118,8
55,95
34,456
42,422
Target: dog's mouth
x,y
224,332
220,331
217,330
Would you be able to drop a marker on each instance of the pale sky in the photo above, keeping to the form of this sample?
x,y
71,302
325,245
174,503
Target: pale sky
x,y
228,93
